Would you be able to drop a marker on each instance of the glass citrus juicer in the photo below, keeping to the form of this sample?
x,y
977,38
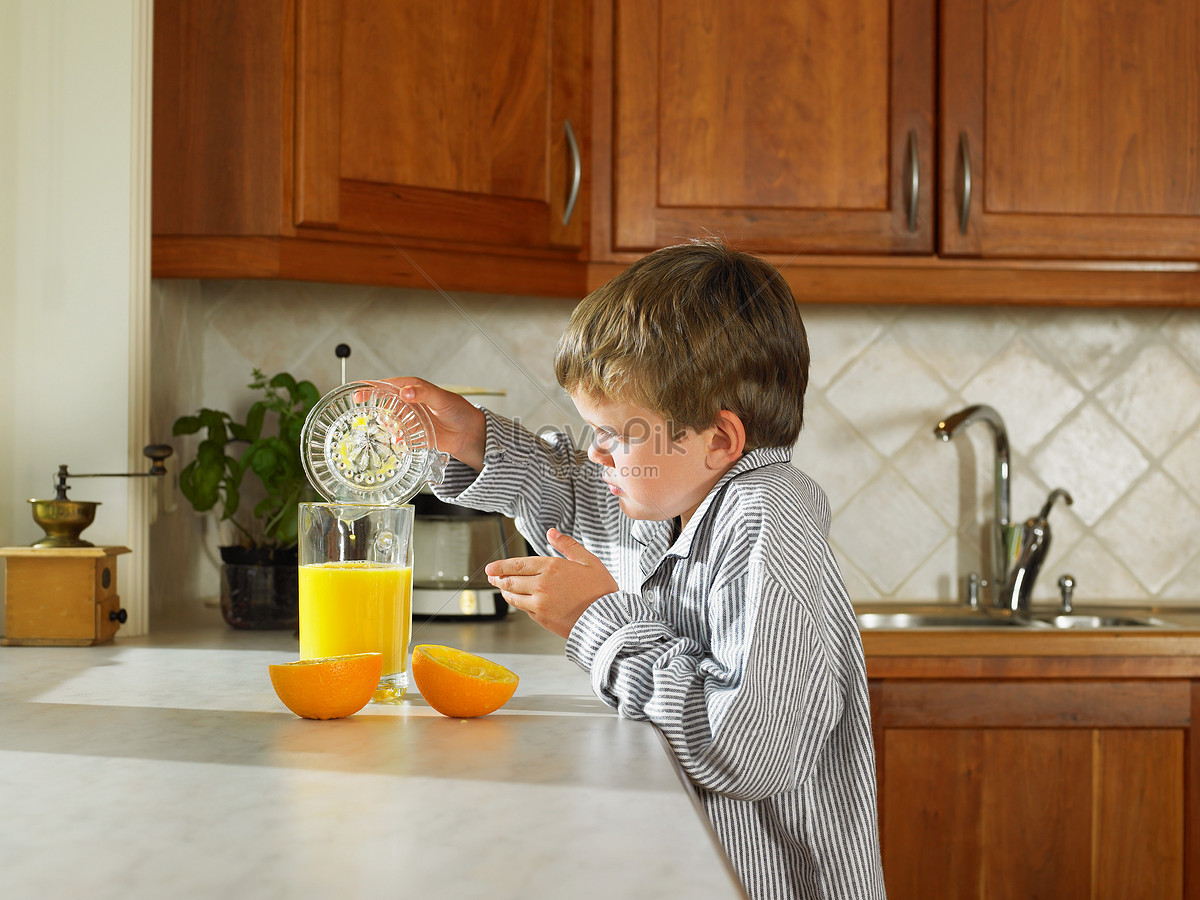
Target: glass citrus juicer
x,y
367,452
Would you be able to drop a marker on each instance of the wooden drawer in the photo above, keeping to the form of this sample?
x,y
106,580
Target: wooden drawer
x,y
61,596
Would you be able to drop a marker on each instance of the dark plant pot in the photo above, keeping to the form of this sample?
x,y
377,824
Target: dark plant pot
x,y
259,588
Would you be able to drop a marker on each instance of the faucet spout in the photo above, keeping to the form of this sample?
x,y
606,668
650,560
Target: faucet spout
x,y
1027,550
947,429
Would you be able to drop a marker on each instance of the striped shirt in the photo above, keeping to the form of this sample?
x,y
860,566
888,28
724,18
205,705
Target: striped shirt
x,y
736,639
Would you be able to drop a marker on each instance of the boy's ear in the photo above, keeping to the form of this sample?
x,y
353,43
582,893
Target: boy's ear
x,y
726,440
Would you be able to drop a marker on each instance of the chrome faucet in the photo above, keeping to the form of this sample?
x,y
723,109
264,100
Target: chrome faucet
x,y
947,429
1027,547
1017,550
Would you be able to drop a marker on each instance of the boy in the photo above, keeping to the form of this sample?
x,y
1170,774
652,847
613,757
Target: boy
x,y
693,579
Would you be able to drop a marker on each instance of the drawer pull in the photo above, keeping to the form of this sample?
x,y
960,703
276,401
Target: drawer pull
x,y
576,171
914,180
118,616
964,155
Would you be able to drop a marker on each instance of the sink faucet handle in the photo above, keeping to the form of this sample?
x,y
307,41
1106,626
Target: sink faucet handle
x,y
1054,495
1066,587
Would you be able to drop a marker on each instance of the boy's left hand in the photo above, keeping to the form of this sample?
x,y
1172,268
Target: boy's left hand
x,y
554,591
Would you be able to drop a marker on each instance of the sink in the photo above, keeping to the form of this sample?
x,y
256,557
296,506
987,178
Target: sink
x,y
929,616
956,619
1075,620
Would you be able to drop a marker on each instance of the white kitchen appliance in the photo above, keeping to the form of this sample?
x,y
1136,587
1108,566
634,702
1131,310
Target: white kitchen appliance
x,y
451,547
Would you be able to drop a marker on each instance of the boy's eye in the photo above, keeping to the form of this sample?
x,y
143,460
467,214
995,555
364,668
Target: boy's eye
x,y
606,439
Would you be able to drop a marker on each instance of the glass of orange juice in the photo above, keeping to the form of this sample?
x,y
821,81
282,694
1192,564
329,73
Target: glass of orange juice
x,y
356,586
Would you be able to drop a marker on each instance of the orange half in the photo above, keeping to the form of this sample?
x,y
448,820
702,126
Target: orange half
x,y
331,687
460,684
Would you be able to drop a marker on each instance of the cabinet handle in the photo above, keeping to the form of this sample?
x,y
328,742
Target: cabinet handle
x,y
964,155
914,180
576,171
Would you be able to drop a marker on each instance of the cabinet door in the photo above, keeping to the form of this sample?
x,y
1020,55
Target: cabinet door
x,y
1033,789
219,102
1079,125
788,126
1029,813
449,120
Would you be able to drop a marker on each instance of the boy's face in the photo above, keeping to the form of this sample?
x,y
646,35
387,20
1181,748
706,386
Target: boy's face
x,y
654,474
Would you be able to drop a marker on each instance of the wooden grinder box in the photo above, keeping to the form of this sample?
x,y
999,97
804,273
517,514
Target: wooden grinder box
x,y
61,596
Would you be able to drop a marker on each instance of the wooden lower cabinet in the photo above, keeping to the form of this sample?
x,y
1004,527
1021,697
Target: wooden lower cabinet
x,y
1037,789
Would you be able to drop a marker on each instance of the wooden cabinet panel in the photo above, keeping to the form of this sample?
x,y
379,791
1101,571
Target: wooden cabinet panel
x,y
1079,123
219,117
1033,813
1035,788
1069,703
930,804
1139,804
440,120
784,126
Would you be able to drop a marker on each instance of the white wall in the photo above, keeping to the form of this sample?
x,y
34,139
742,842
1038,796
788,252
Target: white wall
x,y
9,44
67,103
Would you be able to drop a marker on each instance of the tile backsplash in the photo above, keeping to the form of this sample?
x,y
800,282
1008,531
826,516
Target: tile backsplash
x,y
1104,403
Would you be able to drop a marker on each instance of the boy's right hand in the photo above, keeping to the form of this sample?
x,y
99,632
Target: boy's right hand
x,y
460,427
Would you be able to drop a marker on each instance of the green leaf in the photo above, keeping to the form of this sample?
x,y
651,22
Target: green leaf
x,y
263,459
187,484
284,380
292,432
235,472
254,421
186,425
307,395
233,498
284,525
211,455
288,531
215,421
203,486
281,522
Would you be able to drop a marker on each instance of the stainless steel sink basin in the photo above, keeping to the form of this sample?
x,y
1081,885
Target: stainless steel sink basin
x,y
956,619
1075,620
933,617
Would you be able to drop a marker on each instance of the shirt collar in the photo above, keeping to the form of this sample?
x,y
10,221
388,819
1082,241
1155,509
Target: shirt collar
x,y
654,534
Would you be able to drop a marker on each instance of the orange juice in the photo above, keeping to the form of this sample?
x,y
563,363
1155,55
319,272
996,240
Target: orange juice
x,y
358,607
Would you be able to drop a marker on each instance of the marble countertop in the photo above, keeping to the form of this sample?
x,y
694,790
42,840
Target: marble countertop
x,y
165,766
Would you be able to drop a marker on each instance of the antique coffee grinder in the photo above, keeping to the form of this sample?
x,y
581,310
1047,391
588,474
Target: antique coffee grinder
x,y
62,590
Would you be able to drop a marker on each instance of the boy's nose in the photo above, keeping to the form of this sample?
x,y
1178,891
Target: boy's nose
x,y
598,456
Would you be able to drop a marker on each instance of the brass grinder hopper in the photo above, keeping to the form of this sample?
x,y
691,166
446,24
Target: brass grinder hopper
x,y
63,519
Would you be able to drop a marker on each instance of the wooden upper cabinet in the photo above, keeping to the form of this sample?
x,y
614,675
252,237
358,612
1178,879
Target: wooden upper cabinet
x,y
219,112
406,141
459,121
1080,123
782,125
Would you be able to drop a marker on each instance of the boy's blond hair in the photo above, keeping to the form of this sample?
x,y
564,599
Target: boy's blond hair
x,y
688,331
